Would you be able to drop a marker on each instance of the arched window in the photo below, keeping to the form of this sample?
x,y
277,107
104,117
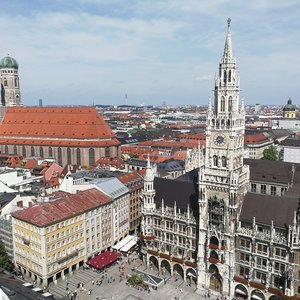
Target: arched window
x,y
69,158
50,152
223,103
23,151
224,77
229,76
59,156
15,150
5,82
107,152
223,161
91,156
78,156
16,82
32,152
6,149
41,152
230,104
215,160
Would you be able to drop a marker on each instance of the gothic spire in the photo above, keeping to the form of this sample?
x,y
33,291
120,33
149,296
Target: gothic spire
x,y
227,56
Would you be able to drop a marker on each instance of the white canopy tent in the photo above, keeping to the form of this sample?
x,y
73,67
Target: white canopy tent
x,y
129,245
47,295
37,289
27,284
125,244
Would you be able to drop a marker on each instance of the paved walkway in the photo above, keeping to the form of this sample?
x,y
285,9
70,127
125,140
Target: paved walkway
x,y
117,289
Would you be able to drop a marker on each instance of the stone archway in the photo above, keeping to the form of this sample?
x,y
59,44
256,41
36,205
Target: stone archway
x,y
215,280
165,267
178,271
191,275
257,295
153,262
215,283
241,291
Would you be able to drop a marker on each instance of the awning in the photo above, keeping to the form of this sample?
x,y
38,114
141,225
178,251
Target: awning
x,y
27,284
47,295
238,291
257,296
37,289
104,259
129,245
124,243
191,274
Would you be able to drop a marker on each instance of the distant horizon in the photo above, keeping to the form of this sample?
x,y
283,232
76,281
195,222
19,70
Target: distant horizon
x,y
150,52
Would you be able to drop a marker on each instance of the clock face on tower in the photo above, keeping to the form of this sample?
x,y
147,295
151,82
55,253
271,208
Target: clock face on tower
x,y
219,139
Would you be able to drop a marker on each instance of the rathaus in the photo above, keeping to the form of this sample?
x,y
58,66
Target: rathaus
x,y
230,226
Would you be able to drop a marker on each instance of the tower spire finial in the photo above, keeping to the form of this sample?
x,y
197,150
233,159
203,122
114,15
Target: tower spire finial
x,y
228,23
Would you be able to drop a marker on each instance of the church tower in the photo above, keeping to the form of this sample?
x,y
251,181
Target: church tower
x,y
10,88
223,178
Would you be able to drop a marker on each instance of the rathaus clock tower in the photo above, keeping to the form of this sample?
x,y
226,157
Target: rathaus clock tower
x,y
223,178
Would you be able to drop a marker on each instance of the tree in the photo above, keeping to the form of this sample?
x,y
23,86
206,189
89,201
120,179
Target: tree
x,y
270,153
5,263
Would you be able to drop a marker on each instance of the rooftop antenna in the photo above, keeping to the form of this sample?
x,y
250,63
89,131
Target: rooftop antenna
x,y
125,98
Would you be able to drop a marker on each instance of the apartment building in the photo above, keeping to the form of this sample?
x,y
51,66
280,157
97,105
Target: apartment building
x,y
50,238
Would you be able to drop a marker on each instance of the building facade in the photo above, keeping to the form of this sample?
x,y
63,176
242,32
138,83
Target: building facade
x,y
51,239
219,227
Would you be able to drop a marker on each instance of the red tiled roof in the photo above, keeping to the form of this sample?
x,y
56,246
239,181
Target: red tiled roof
x,y
67,206
110,161
132,180
21,123
181,155
255,138
58,143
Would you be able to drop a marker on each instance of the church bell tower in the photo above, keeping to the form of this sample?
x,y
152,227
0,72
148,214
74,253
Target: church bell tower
x,y
223,178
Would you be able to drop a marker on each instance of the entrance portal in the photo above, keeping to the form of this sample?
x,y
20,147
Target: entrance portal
x,y
215,283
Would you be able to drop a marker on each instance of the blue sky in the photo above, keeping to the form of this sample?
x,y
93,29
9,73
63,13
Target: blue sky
x,y
79,52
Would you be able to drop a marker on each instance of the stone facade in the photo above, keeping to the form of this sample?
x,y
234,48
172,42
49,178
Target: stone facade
x,y
229,233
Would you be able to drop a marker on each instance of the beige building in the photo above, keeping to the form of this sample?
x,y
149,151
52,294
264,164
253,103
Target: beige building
x,y
50,238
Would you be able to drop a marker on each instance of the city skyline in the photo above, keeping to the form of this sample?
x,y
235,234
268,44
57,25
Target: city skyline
x,y
149,52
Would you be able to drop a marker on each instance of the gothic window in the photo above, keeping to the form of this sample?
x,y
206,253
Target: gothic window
x,y
215,160
41,152
213,122
59,156
230,104
107,152
16,82
23,151
69,158
224,77
216,211
222,122
229,76
244,271
5,82
223,161
214,254
15,150
214,241
91,156
50,152
222,104
32,152
78,156
273,190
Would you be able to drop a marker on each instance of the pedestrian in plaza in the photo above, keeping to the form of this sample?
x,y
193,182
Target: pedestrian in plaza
x,y
93,282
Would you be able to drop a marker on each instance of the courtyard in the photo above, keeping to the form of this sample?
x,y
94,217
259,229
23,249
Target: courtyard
x,y
108,284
